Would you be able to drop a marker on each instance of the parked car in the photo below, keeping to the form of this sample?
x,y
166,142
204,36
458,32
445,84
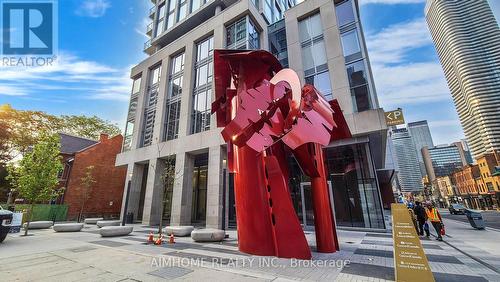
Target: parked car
x,y
456,209
5,220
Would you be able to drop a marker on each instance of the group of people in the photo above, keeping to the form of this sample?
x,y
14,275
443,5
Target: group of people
x,y
421,214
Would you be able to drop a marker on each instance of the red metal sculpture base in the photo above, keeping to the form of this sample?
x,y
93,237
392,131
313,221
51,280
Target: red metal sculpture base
x,y
265,114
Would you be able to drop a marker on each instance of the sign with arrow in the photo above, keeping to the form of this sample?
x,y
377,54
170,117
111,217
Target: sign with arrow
x,y
394,117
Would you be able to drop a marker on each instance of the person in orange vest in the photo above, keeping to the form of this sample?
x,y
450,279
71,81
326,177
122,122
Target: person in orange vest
x,y
434,217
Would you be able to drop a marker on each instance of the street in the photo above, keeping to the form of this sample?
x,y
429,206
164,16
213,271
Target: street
x,y
491,218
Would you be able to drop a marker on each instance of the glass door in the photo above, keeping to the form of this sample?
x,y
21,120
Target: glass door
x,y
307,203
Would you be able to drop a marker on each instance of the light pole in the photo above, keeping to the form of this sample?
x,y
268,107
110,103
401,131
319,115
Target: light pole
x,y
124,217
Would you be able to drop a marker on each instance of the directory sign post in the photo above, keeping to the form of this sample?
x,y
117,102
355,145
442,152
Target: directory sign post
x,y
410,262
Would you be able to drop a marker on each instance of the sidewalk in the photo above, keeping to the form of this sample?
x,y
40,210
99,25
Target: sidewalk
x,y
85,255
481,245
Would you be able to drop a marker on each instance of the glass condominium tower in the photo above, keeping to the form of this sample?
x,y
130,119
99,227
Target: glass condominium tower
x,y
467,39
169,121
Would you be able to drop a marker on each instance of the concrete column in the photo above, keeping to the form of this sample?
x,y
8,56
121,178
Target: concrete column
x,y
154,193
183,190
187,90
136,170
214,188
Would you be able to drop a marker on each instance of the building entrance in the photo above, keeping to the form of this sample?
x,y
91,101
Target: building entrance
x,y
199,204
307,213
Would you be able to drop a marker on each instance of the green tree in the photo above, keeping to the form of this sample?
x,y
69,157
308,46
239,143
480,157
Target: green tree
x,y
87,183
88,127
36,175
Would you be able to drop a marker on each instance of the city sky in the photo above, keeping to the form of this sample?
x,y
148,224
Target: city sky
x,y
100,40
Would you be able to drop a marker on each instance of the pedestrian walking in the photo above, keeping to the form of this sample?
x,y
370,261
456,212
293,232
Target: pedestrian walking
x,y
412,216
421,215
435,218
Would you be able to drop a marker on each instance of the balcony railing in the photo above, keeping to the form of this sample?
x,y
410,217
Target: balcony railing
x,y
149,29
152,12
147,44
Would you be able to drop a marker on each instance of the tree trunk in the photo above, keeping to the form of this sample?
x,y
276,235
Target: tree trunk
x,y
81,212
30,217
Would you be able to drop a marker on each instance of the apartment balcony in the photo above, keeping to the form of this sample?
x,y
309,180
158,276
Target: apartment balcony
x,y
147,45
152,12
182,27
149,29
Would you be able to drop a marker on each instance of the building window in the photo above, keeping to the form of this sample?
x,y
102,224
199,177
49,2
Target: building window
x,y
174,97
182,10
150,106
202,93
358,82
242,34
129,127
161,20
196,4
278,43
345,13
350,43
171,14
314,55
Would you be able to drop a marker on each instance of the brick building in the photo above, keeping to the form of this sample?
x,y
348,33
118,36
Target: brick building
x,y
465,181
106,194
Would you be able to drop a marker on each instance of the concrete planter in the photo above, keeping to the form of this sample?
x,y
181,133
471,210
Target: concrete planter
x,y
208,235
113,231
180,231
39,224
93,220
103,223
68,227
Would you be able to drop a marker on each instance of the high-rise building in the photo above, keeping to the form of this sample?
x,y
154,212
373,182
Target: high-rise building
x,y
466,36
169,117
443,160
421,135
408,170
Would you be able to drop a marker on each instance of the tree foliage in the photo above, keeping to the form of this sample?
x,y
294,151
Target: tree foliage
x,y
19,130
36,176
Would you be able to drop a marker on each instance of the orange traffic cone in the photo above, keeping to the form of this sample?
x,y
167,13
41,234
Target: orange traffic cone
x,y
171,239
150,238
159,241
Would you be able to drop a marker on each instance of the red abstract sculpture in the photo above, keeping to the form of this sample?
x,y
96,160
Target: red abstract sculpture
x,y
264,111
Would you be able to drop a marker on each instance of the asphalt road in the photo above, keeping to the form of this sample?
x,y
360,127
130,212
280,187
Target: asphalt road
x,y
491,218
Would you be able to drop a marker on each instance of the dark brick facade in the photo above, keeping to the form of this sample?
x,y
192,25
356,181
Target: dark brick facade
x,y
106,195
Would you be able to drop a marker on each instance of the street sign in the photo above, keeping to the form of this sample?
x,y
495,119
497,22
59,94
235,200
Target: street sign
x,y
410,262
394,117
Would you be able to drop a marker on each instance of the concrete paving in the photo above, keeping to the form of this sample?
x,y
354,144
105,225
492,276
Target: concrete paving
x,y
50,256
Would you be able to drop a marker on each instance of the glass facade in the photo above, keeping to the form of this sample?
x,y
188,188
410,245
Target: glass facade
x,y
199,199
132,109
354,184
174,97
445,159
358,81
314,55
150,105
345,13
161,20
202,92
274,9
356,64
278,43
242,34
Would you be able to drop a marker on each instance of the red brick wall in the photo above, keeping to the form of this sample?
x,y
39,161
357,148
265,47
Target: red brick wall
x,y
109,180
